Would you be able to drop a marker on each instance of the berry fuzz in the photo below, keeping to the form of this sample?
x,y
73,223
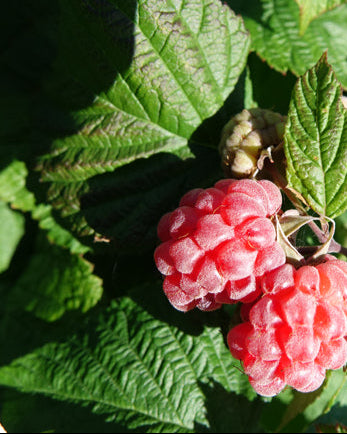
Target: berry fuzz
x,y
296,330
218,243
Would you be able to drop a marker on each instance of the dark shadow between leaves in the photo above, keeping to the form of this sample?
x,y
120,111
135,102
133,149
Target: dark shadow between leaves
x,y
336,415
152,299
228,412
42,414
263,78
54,58
126,204
251,9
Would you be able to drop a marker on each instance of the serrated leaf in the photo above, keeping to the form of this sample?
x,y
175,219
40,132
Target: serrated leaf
x,y
315,141
311,9
161,68
13,186
55,282
275,32
12,229
132,368
56,234
14,191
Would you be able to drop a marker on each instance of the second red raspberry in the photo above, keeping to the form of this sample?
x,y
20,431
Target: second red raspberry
x,y
218,243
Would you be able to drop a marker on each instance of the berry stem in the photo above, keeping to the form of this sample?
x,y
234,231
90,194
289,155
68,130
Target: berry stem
x,y
334,246
280,180
276,170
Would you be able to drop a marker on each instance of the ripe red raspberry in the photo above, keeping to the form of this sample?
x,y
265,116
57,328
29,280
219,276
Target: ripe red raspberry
x,y
296,330
218,243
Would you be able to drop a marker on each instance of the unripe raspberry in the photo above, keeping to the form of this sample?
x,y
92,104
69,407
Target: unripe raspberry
x,y
218,243
296,330
245,136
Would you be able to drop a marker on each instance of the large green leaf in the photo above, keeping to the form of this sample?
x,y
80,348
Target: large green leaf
x,y
315,141
150,74
138,370
275,29
311,9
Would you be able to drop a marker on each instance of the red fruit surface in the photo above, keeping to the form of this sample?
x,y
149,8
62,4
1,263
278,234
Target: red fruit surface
x,y
296,330
218,243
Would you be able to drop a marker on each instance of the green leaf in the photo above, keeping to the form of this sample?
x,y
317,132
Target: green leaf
x,y
14,191
312,405
134,369
274,26
56,234
13,188
315,141
11,231
311,9
341,229
166,67
54,282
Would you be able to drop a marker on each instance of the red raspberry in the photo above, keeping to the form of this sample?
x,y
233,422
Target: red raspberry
x,y
296,330
218,243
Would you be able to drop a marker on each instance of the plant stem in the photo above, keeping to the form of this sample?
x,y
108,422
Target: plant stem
x,y
274,169
334,246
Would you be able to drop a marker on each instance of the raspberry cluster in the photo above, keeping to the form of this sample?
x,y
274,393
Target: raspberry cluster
x,y
218,243
219,246
296,330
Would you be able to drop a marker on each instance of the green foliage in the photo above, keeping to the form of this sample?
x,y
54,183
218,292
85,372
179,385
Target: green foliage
x,y
275,27
309,10
316,141
11,231
185,61
109,112
134,369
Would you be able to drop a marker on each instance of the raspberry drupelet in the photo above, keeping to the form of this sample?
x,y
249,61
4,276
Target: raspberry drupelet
x,y
296,330
218,243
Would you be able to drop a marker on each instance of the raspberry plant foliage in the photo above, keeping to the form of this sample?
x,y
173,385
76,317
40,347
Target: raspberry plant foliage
x,y
111,111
